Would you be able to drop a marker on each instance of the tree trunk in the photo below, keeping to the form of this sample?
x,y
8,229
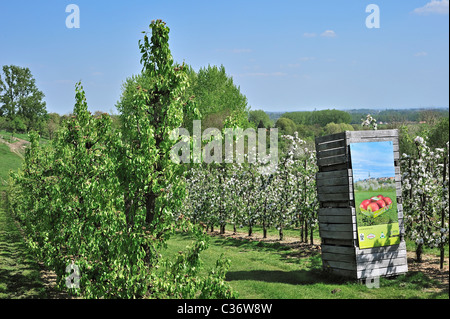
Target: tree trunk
x,y
419,250
150,203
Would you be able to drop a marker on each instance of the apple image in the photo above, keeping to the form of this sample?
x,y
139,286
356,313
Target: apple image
x,y
380,196
374,199
387,200
373,207
364,204
381,203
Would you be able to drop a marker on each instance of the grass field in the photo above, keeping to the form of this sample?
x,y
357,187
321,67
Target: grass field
x,y
273,271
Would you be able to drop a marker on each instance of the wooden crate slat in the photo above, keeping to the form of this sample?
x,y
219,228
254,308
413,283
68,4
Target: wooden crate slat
x,y
339,242
335,160
348,227
335,167
338,257
337,211
363,140
345,173
341,181
328,146
338,250
330,138
337,219
361,259
372,134
339,264
332,152
333,189
382,249
378,272
335,204
342,197
337,234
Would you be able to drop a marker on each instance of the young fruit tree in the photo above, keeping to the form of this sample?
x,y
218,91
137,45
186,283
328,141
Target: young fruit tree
x,y
105,200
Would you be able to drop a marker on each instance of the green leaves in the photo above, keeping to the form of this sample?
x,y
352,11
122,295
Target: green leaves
x,y
105,199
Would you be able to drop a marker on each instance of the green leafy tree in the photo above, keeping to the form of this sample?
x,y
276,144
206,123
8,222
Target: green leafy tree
x,y
439,134
20,97
216,97
83,199
286,126
260,119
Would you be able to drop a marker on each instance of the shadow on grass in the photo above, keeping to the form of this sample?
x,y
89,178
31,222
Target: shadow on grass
x,y
19,274
295,277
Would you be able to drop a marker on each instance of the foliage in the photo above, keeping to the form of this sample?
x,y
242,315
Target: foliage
x,y
259,118
333,128
286,126
216,97
20,100
285,197
439,134
104,200
425,192
322,117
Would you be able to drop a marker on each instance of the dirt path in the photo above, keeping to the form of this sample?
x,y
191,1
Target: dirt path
x,y
18,147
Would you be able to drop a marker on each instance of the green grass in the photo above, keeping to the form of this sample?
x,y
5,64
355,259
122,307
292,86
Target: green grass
x,y
8,161
272,271
19,273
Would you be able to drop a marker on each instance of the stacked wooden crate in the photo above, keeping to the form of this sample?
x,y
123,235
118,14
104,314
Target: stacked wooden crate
x,y
337,214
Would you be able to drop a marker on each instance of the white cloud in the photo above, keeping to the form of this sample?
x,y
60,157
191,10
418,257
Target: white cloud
x,y
433,7
420,54
328,34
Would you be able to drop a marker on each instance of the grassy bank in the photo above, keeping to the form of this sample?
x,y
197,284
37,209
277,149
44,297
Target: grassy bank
x,y
8,161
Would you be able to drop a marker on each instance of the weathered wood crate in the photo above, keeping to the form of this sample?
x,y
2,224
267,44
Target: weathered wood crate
x,y
341,253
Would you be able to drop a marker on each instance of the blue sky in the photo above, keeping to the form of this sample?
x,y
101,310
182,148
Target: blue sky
x,y
376,158
285,55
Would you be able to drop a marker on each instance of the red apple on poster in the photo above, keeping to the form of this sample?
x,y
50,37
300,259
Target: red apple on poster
x,y
381,203
373,207
364,204
388,201
374,199
380,196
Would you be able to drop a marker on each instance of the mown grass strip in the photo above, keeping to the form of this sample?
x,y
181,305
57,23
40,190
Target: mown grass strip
x,y
19,273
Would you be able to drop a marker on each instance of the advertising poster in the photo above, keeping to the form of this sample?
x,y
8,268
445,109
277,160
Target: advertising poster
x,y
375,194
